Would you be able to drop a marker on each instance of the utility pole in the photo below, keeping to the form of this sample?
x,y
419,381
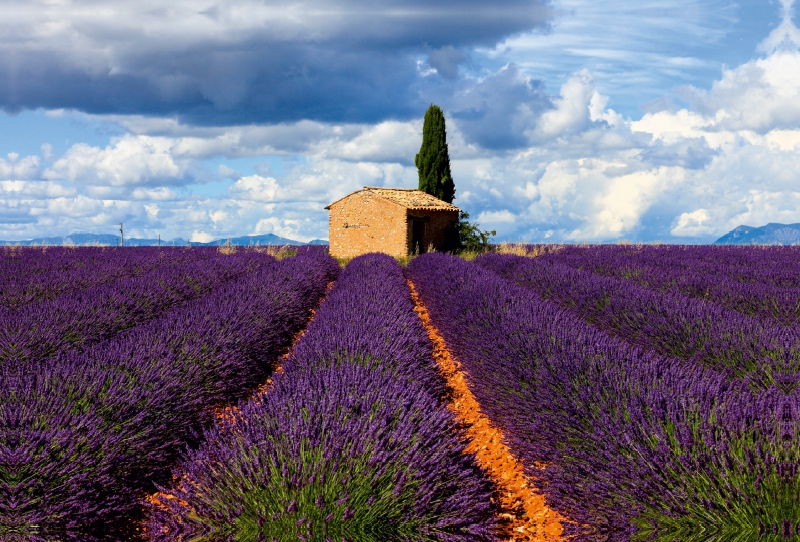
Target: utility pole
x,y
121,236
159,239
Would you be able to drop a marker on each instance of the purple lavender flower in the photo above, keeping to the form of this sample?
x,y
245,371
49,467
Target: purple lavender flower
x,y
360,384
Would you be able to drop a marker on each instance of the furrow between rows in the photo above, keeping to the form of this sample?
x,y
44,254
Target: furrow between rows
x,y
528,518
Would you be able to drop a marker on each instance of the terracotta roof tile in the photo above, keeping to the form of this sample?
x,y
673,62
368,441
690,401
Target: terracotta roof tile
x,y
410,198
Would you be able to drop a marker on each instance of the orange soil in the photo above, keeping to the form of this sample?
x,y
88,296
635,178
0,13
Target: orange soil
x,y
528,517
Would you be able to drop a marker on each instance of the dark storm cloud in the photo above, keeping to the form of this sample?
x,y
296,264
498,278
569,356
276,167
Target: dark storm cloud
x,y
496,112
243,62
446,61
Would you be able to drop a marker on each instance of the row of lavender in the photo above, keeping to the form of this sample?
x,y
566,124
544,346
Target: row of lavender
x,y
33,275
37,260
627,443
39,330
86,435
351,443
777,266
752,280
672,324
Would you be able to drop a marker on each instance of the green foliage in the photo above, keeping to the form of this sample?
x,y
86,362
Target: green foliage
x,y
471,238
301,502
756,501
433,159
433,166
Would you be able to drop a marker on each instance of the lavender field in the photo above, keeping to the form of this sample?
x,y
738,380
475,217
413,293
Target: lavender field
x,y
650,393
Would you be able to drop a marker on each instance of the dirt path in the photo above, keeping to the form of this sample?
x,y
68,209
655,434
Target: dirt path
x,y
529,518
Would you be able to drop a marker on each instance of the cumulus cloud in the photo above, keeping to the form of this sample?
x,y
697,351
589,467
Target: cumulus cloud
x,y
760,95
245,61
534,165
257,188
692,224
288,228
15,168
571,111
131,161
786,35
200,237
587,174
389,141
36,189
160,193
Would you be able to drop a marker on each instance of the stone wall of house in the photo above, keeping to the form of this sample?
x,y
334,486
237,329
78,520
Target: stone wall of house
x,y
365,222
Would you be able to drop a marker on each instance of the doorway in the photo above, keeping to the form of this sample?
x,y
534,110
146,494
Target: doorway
x,y
417,236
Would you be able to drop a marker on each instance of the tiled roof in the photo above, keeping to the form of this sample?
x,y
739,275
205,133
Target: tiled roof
x,y
410,198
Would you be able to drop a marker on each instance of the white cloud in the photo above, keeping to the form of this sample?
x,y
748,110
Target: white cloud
x,y
47,151
256,188
160,193
78,206
131,161
201,237
287,228
760,95
389,141
14,169
134,180
493,218
619,209
227,172
37,189
571,109
785,35
695,223
562,168
672,127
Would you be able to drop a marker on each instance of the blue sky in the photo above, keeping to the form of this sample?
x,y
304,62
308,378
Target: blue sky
x,y
569,120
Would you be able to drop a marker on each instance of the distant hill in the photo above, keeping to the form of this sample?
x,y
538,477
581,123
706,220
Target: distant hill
x,y
113,240
771,234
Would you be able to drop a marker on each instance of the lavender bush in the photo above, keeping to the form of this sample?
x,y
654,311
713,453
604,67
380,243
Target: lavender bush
x,y
36,275
39,330
351,443
87,434
672,324
630,445
775,266
751,280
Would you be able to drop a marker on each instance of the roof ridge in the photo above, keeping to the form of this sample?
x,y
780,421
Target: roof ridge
x,y
390,188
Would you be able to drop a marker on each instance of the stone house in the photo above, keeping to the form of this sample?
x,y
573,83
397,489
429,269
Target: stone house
x,y
397,221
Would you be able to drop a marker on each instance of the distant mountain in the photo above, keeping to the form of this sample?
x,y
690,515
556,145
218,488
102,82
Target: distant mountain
x,y
113,240
771,234
266,239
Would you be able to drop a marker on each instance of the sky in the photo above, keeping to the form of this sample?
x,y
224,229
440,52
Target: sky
x,y
567,120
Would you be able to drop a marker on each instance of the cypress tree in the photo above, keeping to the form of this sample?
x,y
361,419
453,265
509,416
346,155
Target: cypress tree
x,y
433,160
